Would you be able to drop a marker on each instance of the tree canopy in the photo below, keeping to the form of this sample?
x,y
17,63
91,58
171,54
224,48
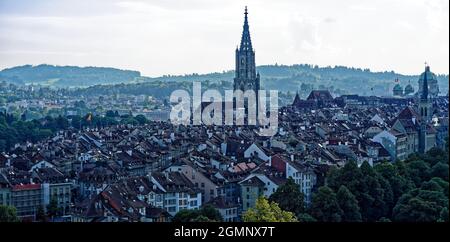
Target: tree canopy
x,y
8,214
266,211
289,197
206,214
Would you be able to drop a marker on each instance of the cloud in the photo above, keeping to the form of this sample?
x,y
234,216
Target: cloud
x,y
160,37
329,20
304,34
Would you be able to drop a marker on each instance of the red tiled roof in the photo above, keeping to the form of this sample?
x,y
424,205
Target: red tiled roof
x,y
26,187
408,113
320,94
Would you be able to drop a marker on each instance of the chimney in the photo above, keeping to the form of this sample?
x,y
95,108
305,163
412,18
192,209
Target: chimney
x,y
292,157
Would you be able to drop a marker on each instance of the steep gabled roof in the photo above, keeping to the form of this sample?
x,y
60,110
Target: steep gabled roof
x,y
320,95
408,113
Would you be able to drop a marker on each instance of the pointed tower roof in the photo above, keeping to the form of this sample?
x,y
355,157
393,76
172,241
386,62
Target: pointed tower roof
x,y
246,42
297,99
424,94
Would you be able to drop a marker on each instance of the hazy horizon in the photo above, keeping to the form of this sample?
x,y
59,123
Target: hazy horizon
x,y
205,73
199,36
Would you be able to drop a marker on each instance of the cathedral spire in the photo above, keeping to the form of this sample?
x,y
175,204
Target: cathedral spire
x,y
246,77
424,94
246,42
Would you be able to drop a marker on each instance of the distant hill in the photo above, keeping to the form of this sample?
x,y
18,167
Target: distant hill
x,y
304,77
301,77
65,76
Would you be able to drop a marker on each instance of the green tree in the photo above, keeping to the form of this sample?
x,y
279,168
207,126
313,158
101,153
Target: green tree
x,y
211,213
40,214
325,207
387,197
130,120
349,175
201,218
304,217
418,171
349,205
8,214
52,207
443,184
443,216
289,197
384,220
435,155
399,184
420,206
432,185
141,119
111,114
371,194
61,123
266,211
440,170
207,212
76,122
185,215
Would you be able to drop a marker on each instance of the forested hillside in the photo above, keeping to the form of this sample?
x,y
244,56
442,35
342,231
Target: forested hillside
x,y
302,77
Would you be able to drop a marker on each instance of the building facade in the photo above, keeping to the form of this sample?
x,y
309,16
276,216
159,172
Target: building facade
x,y
27,199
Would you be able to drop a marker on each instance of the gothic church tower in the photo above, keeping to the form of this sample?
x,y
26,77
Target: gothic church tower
x,y
246,77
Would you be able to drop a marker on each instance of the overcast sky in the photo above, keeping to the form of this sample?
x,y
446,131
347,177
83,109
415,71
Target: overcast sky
x,y
160,37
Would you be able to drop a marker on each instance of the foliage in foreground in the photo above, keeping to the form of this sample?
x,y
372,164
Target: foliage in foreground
x,y
266,211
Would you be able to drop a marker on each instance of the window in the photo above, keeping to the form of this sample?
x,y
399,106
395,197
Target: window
x,y
203,184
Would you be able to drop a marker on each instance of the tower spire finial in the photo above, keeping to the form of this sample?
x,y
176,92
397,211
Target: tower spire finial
x,y
246,43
